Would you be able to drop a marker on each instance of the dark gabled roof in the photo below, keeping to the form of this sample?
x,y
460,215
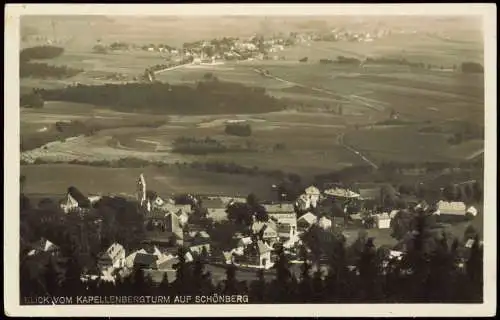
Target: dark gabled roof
x,y
151,195
82,200
145,259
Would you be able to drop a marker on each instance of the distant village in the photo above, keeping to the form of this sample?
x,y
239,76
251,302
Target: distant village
x,y
170,224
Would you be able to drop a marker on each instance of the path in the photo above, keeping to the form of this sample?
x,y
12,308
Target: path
x,y
370,103
475,154
170,68
340,141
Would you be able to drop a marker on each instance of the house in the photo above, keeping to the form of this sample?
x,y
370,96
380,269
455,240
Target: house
x,y
166,262
244,242
113,257
287,231
341,193
282,213
303,202
216,209
43,246
200,242
145,261
267,230
162,227
75,201
264,253
369,193
450,208
393,214
313,194
228,257
129,260
383,221
325,223
306,221
472,211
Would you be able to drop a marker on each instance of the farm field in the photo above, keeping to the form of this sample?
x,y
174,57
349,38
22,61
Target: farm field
x,y
316,136
54,179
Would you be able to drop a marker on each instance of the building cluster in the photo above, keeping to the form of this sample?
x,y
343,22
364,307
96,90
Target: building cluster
x,y
167,226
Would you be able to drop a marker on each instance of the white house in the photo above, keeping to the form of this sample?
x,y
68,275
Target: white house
x,y
383,221
325,223
313,194
112,258
43,245
264,254
306,221
472,211
342,193
450,208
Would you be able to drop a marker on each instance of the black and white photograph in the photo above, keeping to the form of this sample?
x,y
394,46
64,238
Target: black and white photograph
x,y
247,155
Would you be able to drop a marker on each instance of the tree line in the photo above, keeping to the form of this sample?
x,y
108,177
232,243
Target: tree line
x,y
27,68
238,129
213,97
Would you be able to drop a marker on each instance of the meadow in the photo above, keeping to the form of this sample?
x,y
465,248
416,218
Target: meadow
x,y
54,179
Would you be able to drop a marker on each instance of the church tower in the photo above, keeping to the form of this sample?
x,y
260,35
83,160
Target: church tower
x,y
141,190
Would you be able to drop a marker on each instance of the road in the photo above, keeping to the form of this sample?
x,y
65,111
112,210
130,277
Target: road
x,y
340,141
170,68
369,103
340,137
475,154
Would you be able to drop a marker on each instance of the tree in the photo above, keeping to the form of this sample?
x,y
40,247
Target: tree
x,y
306,287
369,273
230,284
477,191
202,281
282,284
401,224
183,276
239,213
474,269
258,288
450,192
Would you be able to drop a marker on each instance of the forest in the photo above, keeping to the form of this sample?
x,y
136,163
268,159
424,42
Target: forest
x,y
29,69
214,97
40,53
46,71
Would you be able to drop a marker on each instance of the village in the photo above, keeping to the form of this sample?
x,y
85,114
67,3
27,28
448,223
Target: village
x,y
190,222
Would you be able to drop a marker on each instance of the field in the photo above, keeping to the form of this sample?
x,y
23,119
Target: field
x,y
54,179
316,136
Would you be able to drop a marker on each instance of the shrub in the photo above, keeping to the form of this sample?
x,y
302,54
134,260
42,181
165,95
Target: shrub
x,y
242,130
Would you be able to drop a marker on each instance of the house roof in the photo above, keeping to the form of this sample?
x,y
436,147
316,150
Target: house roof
x,y
324,221
44,245
227,255
284,207
245,241
82,200
284,228
151,195
341,192
145,259
445,207
312,190
369,193
308,217
213,203
114,250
